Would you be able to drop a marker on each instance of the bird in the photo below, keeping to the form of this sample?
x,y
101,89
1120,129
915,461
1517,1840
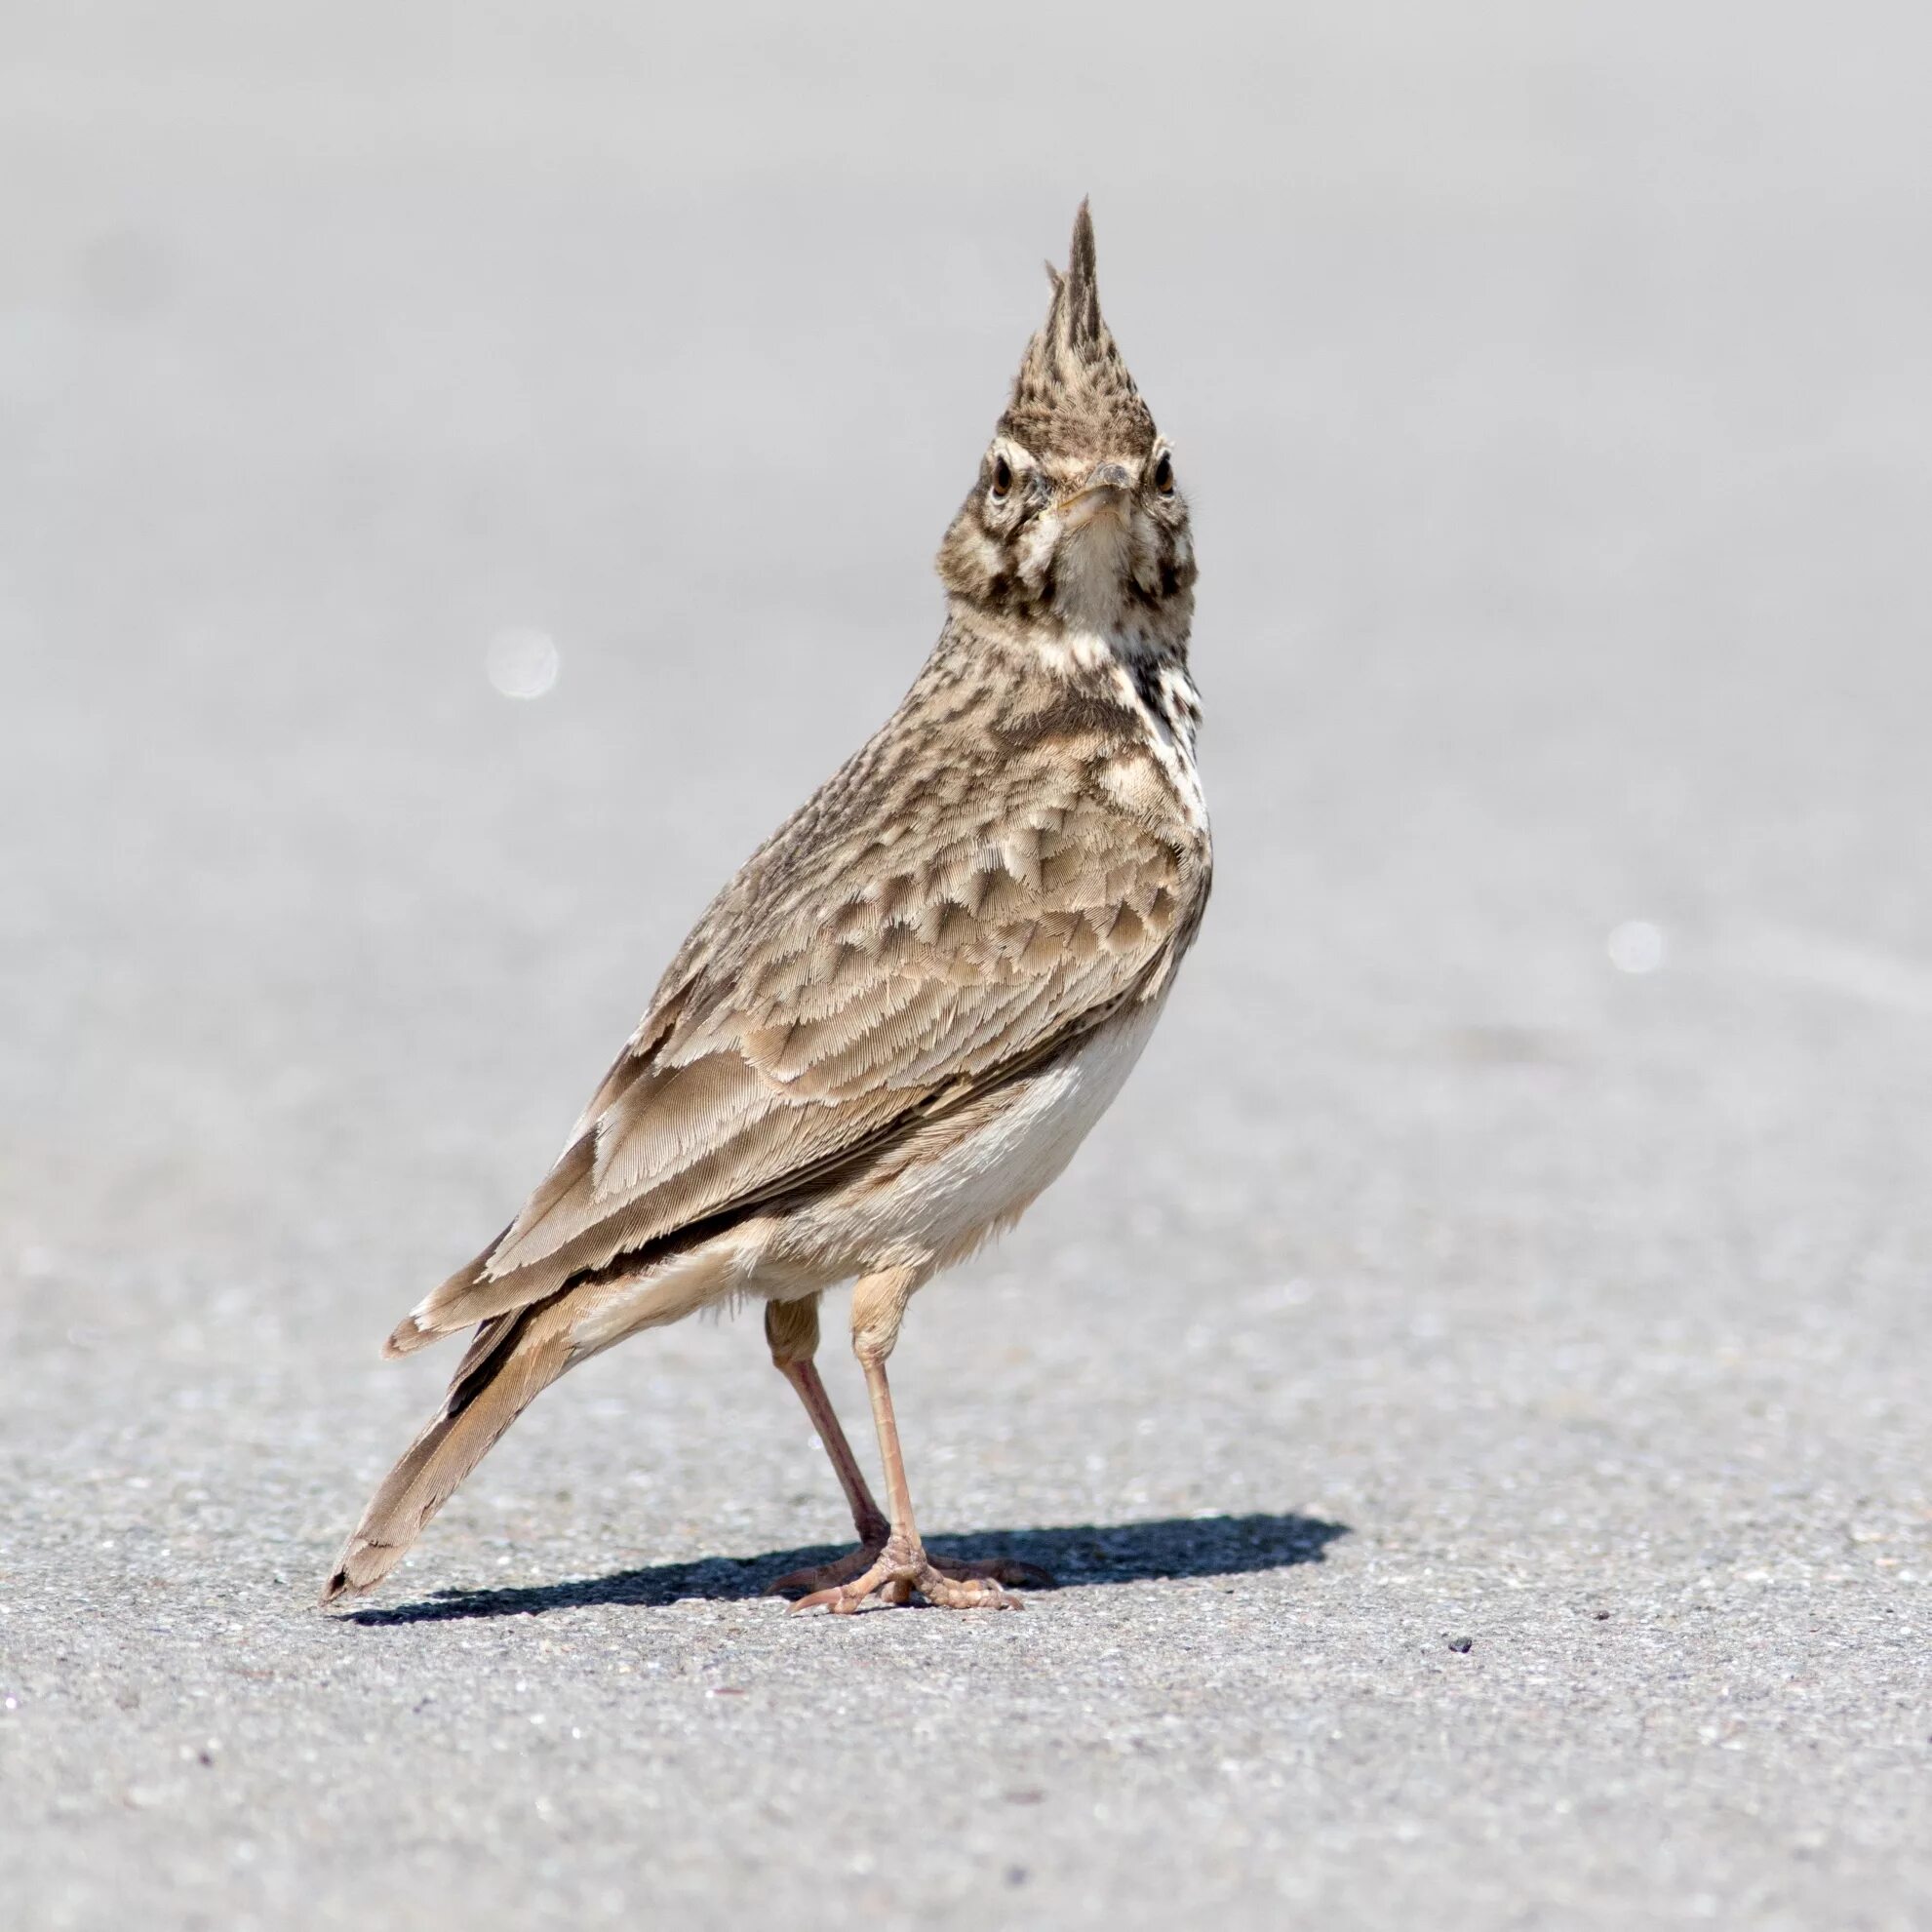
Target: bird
x,y
893,1028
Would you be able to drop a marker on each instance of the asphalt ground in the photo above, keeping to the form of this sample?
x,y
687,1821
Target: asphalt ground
x,y
1473,1387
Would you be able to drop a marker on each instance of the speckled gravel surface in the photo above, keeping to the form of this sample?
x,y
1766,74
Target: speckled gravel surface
x,y
1473,1388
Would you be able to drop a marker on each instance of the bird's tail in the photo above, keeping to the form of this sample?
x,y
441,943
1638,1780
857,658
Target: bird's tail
x,y
511,1360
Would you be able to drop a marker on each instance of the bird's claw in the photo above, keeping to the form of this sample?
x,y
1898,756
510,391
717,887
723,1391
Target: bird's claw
x,y
893,1573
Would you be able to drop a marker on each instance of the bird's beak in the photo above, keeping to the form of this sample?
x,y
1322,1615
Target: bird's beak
x,y
1102,491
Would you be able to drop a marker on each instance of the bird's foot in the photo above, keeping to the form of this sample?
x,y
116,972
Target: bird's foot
x,y
826,1576
894,1570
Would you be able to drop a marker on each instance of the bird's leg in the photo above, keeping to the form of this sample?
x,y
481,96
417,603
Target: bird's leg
x,y
791,1329
902,1566
868,1518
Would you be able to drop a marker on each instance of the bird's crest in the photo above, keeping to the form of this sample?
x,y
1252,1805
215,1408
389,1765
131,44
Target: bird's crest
x,y
1073,389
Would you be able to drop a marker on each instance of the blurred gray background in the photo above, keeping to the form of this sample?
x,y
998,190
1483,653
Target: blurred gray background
x,y
1474,1388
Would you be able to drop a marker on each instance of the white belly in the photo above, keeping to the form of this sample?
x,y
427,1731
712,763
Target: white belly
x,y
964,1181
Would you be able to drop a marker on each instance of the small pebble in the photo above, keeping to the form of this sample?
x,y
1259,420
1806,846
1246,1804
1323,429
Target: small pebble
x,y
1462,1643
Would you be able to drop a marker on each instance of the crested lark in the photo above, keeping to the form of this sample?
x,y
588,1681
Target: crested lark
x,y
890,1031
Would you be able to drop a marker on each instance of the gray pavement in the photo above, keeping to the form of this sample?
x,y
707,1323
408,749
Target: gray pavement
x,y
1473,1387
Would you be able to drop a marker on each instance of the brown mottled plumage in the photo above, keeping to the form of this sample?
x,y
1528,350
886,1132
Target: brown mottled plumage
x,y
894,1025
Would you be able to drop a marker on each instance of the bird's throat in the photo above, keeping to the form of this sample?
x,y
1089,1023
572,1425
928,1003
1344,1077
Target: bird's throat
x,y
1091,572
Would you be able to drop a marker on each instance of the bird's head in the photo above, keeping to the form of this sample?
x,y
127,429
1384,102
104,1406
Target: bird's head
x,y
1077,521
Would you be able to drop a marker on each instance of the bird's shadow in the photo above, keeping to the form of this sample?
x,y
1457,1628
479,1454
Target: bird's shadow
x,y
1083,1554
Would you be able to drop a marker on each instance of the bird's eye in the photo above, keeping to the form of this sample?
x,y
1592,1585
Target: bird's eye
x,y
1164,474
1003,476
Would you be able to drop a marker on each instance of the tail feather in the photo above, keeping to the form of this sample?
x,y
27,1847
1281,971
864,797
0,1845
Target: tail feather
x,y
511,1360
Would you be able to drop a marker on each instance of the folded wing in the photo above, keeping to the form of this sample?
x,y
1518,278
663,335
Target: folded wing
x,y
842,988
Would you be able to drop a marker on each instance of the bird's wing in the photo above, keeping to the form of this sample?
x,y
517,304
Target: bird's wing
x,y
877,960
